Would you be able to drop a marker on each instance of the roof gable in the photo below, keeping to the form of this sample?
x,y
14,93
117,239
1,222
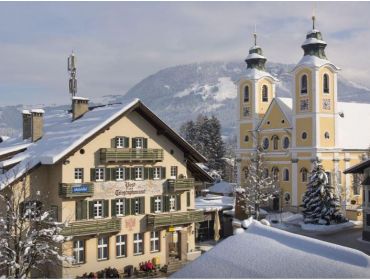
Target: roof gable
x,y
278,114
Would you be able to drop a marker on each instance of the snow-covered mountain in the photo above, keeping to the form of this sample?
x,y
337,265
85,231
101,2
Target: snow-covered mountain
x,y
180,93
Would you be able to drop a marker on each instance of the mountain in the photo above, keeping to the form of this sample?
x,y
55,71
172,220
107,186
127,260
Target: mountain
x,y
180,93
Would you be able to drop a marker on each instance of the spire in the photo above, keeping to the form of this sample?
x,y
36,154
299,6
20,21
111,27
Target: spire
x,y
72,71
255,58
314,43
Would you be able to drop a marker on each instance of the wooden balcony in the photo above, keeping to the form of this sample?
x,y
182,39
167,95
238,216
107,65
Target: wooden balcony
x,y
161,220
180,184
92,227
76,190
130,155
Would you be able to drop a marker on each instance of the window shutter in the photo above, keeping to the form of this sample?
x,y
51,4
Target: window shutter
x,y
84,209
113,207
113,174
91,209
132,173
132,202
188,199
127,206
146,173
163,173
166,203
126,142
151,172
78,210
178,202
145,143
133,143
127,173
152,204
92,174
107,174
114,142
142,205
105,208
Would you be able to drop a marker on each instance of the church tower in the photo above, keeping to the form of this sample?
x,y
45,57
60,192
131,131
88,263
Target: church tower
x,y
314,96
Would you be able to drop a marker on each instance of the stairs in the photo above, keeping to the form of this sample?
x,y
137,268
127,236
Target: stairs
x,y
174,264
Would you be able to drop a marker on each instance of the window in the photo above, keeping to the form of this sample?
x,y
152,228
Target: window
x,y
286,175
304,105
246,172
275,173
246,138
328,174
157,204
173,172
138,173
287,197
327,135
304,84
265,95
246,111
154,241
304,135
265,144
99,174
78,175
31,208
137,205
120,207
275,140
265,172
157,173
304,174
120,142
103,248
120,174
326,83
79,251
326,104
98,209
286,142
121,245
246,94
172,204
138,143
138,243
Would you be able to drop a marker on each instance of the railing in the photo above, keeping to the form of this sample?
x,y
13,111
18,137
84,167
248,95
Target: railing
x,y
155,221
180,184
76,190
92,227
129,155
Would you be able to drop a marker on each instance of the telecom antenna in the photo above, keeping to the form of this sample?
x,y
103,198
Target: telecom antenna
x,y
72,72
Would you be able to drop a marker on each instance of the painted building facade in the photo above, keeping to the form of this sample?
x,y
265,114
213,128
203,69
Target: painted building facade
x,y
294,132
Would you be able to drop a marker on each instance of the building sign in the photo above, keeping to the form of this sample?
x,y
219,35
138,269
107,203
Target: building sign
x,y
80,189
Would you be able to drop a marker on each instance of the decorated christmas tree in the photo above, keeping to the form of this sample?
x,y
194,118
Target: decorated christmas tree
x,y
320,202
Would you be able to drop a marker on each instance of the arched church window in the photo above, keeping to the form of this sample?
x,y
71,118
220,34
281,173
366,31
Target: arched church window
x,y
266,172
265,144
265,94
246,138
286,175
304,84
304,174
327,135
246,94
286,142
275,173
326,83
275,141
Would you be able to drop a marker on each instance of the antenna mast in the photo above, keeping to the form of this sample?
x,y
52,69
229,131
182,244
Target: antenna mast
x,y
72,72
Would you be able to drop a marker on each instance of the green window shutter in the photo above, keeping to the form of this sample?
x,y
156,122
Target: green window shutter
x,y
142,205
92,174
133,142
78,210
113,207
166,203
127,207
152,204
105,208
132,202
151,171
188,199
132,173
126,142
113,174
84,209
127,173
145,143
146,173
107,174
114,142
163,173
178,202
91,209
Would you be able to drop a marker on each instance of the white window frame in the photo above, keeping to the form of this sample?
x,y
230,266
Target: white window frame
x,y
120,173
120,142
137,206
98,209
137,173
77,255
174,172
138,242
157,204
121,246
120,207
154,241
172,203
103,243
99,174
139,143
157,173
79,175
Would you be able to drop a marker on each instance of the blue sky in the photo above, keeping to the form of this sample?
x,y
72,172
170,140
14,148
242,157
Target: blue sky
x,y
120,43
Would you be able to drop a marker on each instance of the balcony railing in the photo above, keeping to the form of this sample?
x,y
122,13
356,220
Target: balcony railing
x,y
92,227
76,190
180,184
130,155
161,220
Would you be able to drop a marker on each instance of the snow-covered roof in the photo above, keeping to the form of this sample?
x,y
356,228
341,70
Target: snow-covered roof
x,y
39,111
255,74
266,252
313,41
80,98
222,188
214,202
26,112
286,106
312,60
13,145
255,56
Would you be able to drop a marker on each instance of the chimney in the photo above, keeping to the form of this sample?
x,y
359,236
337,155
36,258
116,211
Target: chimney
x,y
37,126
80,106
27,124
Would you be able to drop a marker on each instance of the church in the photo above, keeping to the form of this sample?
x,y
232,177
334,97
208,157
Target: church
x,y
294,132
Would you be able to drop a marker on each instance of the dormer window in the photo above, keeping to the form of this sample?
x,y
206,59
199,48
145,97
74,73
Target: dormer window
x,y
246,94
326,83
265,95
304,84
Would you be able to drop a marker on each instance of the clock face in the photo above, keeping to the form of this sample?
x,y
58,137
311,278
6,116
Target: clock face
x,y
326,104
304,104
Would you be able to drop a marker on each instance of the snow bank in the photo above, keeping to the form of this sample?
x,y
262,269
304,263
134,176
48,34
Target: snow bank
x,y
329,228
265,252
214,202
223,188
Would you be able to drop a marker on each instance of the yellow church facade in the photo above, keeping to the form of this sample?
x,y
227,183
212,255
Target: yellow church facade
x,y
294,132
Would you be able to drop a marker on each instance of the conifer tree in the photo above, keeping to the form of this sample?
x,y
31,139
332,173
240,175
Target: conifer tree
x,y
320,202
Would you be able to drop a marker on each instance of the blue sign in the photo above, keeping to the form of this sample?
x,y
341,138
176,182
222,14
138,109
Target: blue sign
x,y
80,189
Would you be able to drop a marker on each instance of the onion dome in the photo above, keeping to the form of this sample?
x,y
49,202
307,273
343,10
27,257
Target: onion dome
x,y
314,43
255,58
